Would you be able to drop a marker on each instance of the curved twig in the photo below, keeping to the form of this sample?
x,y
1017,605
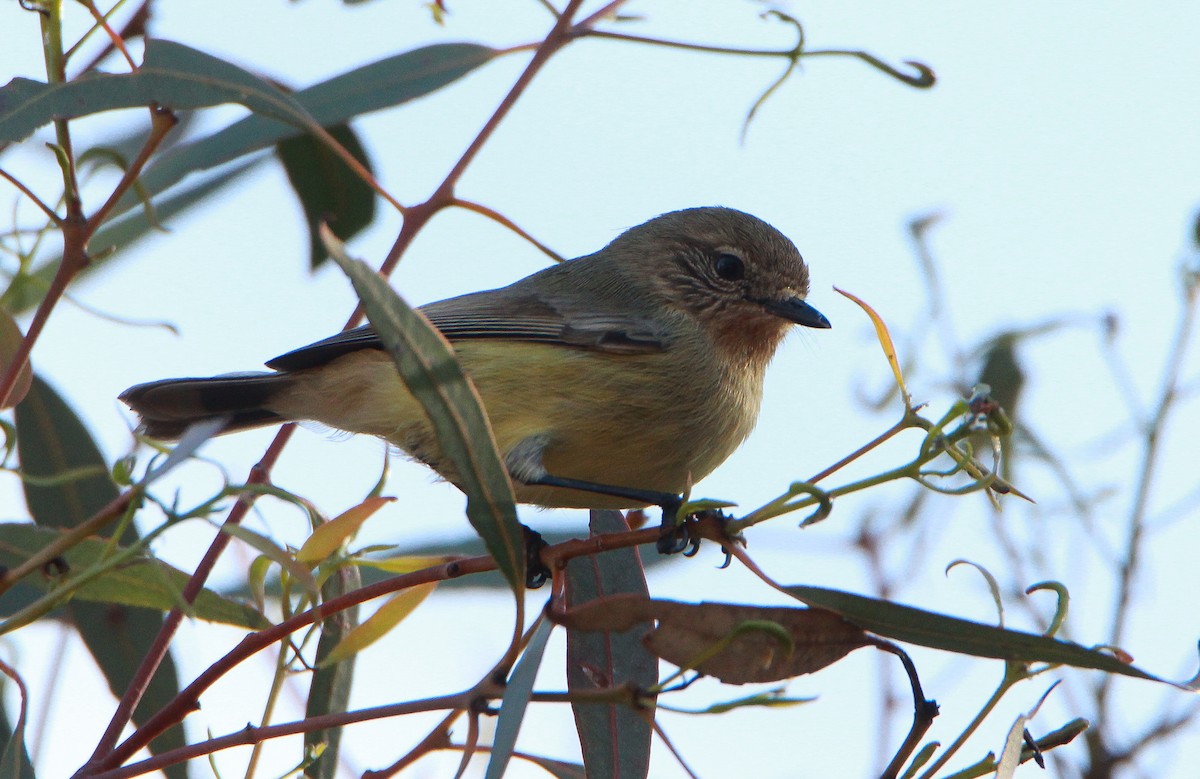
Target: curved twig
x,y
924,78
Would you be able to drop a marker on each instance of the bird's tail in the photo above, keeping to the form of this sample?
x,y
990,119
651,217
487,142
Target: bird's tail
x,y
170,406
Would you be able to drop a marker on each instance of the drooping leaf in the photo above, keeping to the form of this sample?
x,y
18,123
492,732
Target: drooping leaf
x,y
734,643
329,536
329,191
885,343
329,692
938,631
517,694
615,740
431,372
379,624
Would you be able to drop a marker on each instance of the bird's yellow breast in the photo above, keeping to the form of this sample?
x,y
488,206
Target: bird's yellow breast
x,y
650,421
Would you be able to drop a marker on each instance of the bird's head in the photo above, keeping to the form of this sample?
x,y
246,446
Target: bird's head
x,y
739,278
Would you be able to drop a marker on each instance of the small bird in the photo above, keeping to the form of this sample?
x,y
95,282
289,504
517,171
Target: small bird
x,y
611,380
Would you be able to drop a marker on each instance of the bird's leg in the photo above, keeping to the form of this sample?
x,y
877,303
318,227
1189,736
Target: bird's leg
x,y
524,463
675,537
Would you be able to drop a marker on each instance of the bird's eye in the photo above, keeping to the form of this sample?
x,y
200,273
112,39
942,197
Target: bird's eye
x,y
729,266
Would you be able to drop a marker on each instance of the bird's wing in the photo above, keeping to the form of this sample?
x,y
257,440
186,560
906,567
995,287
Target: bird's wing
x,y
510,314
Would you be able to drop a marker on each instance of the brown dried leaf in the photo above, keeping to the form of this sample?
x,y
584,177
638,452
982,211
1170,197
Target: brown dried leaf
x,y
733,643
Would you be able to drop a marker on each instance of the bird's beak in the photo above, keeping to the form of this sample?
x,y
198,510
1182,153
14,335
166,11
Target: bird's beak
x,y
798,311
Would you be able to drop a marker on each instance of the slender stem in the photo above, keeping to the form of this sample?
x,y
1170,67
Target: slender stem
x,y
699,47
277,680
74,239
354,165
559,36
56,73
135,26
924,711
899,427
501,219
76,232
911,470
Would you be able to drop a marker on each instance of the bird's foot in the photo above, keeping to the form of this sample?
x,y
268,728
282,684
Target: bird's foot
x,y
676,534
536,571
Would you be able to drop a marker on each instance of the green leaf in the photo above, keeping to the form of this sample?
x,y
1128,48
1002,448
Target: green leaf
x,y
328,190
141,581
432,373
52,441
329,692
938,631
517,694
383,84
614,739
171,75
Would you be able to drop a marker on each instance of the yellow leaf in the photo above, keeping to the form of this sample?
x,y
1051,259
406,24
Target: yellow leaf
x,y
328,538
885,341
377,626
406,563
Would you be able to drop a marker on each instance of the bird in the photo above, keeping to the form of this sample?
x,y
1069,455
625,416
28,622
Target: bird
x,y
611,381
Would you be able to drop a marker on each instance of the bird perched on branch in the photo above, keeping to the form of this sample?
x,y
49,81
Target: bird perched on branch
x,y
613,380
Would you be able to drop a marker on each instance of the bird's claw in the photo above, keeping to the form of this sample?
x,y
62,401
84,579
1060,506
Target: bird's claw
x,y
677,538
683,537
536,572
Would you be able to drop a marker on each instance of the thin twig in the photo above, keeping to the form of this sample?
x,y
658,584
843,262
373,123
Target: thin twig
x,y
501,219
